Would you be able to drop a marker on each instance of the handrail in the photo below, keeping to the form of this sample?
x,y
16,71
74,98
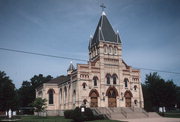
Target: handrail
x,y
124,113
132,108
145,112
108,112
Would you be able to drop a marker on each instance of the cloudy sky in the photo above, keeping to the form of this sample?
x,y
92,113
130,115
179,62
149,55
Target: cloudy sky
x,y
149,30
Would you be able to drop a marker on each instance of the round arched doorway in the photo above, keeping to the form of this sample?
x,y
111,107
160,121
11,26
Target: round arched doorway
x,y
112,94
128,96
94,98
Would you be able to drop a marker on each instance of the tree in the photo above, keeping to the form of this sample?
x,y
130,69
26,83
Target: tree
x,y
8,94
26,94
39,104
158,93
37,80
178,96
27,91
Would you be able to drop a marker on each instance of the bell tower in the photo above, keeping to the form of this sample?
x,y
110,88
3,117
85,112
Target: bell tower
x,y
105,42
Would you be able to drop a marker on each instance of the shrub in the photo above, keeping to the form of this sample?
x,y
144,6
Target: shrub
x,y
77,116
68,114
87,115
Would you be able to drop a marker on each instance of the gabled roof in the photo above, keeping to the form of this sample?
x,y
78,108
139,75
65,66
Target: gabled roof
x,y
59,79
104,32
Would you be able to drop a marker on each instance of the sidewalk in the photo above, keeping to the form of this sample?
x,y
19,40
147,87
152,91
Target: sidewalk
x,y
161,119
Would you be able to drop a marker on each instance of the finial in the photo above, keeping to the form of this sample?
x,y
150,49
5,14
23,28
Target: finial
x,y
103,13
71,62
91,36
117,31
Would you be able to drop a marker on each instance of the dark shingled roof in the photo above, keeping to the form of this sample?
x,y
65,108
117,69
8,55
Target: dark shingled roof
x,y
60,79
104,32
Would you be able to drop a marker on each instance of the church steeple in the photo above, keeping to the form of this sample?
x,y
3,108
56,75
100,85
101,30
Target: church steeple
x,y
104,32
105,40
70,69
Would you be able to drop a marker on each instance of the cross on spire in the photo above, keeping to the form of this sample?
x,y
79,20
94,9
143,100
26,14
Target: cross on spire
x,y
102,6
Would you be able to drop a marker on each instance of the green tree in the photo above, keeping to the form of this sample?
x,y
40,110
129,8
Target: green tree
x,y
158,92
39,104
8,94
178,96
27,93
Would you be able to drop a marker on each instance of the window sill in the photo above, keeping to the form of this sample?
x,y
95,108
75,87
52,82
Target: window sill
x,y
108,84
51,104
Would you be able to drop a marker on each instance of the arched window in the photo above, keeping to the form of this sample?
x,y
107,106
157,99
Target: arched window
x,y
135,87
65,94
60,96
126,82
105,49
115,50
135,102
110,50
51,96
108,78
74,96
95,80
84,85
114,79
84,101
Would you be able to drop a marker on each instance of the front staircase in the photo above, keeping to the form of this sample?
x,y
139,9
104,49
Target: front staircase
x,y
123,113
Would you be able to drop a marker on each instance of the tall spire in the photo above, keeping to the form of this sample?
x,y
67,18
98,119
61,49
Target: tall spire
x,y
104,31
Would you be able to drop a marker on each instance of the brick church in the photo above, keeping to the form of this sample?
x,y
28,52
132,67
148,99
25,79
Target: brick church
x,y
105,81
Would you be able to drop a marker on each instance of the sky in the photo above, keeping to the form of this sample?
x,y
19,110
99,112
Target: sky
x,y
149,31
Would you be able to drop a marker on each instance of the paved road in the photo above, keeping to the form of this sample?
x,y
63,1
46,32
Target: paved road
x,y
162,119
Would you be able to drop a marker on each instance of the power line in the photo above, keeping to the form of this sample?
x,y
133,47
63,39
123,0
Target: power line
x,y
41,54
77,59
157,70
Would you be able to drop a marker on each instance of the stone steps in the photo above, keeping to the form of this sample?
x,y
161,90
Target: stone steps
x,y
125,113
154,115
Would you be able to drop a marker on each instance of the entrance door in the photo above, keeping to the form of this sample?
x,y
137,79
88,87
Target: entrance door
x,y
128,96
94,99
94,102
128,102
112,98
111,102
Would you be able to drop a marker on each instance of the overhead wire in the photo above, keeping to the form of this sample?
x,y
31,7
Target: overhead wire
x,y
77,59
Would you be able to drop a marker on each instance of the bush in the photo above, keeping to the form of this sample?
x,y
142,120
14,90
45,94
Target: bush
x,y
87,115
77,116
100,117
68,114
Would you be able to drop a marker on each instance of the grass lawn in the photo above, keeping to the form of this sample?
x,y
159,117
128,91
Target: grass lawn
x,y
53,119
172,115
43,119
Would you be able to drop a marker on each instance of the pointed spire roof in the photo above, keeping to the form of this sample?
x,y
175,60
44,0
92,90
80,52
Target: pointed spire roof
x,y
71,67
105,32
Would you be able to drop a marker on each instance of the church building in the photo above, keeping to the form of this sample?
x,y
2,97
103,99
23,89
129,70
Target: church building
x,y
105,81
